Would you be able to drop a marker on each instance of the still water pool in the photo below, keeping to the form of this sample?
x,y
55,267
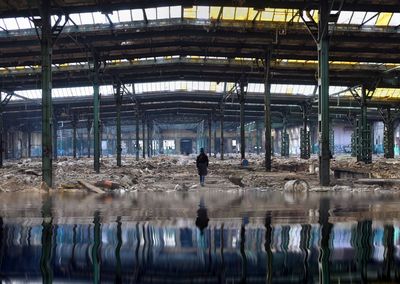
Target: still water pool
x,y
218,237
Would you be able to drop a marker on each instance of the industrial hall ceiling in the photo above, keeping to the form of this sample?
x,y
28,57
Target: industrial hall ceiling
x,y
184,57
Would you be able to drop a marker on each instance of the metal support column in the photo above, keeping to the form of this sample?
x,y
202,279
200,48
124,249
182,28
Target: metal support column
x,y
46,52
242,100
222,135
149,139
305,146
258,137
137,135
144,137
388,135
74,125
118,101
323,96
284,139
215,139
96,114
1,134
209,135
364,152
55,132
29,143
88,127
267,110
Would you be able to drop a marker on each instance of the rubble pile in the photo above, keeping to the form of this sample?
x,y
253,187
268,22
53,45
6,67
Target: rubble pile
x,y
178,173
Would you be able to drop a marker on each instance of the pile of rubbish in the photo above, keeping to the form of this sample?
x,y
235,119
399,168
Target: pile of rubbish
x,y
178,173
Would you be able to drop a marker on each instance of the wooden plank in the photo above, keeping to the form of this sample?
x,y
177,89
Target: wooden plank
x,y
91,187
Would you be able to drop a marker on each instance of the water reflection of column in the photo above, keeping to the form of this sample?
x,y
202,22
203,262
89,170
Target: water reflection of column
x,y
222,275
324,252
389,251
137,267
47,240
285,246
305,247
96,247
118,274
1,240
363,247
268,242
243,253
72,260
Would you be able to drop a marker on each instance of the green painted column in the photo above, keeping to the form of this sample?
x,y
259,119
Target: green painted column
x,y
1,134
267,111
46,52
242,100
74,125
55,132
388,135
118,100
96,248
258,138
29,143
88,127
144,137
222,135
323,96
305,147
209,135
96,115
149,139
365,151
137,136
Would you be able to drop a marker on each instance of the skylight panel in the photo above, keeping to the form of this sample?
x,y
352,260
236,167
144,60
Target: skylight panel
x,y
137,15
267,15
279,15
175,12
358,18
395,20
99,18
162,13
24,23
383,19
125,15
203,12
114,17
345,17
190,13
242,13
370,18
214,12
11,24
151,13
86,18
228,13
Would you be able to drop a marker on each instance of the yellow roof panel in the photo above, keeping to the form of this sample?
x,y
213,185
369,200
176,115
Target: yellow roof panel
x,y
383,19
242,14
228,13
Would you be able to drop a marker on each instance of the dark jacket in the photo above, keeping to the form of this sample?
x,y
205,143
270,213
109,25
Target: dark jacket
x,y
202,164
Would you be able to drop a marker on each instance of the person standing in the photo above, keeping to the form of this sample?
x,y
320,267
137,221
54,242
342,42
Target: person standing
x,y
202,165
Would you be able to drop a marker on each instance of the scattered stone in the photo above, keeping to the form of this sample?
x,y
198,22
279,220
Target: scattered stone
x,y
296,185
32,172
237,180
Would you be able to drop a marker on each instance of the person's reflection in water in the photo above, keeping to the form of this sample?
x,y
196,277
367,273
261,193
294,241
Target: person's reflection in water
x,y
202,222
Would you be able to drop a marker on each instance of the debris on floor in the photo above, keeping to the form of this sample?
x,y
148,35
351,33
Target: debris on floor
x,y
178,173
